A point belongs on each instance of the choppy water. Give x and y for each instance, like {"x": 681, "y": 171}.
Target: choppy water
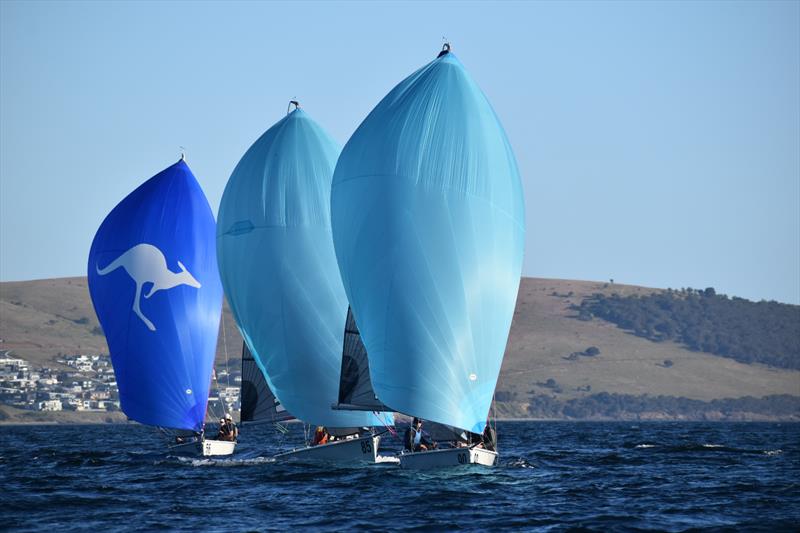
{"x": 553, "y": 475}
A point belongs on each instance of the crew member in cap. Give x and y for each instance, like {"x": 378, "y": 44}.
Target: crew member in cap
{"x": 227, "y": 429}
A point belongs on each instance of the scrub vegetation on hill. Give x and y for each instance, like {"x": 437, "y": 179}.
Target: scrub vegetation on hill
{"x": 626, "y": 406}
{"x": 748, "y": 332}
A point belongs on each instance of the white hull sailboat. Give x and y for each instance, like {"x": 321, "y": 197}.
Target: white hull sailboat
{"x": 155, "y": 287}
{"x": 428, "y": 225}
{"x": 354, "y": 450}
{"x": 279, "y": 271}
{"x": 217, "y": 447}
{"x": 206, "y": 448}
{"x": 448, "y": 457}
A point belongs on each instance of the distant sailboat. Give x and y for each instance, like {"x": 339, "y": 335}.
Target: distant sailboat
{"x": 279, "y": 271}
{"x": 154, "y": 285}
{"x": 428, "y": 225}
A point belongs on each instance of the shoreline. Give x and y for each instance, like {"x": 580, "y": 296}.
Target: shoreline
{"x": 761, "y": 420}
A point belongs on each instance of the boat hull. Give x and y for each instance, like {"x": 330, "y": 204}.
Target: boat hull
{"x": 447, "y": 458}
{"x": 217, "y": 447}
{"x": 205, "y": 448}
{"x": 360, "y": 450}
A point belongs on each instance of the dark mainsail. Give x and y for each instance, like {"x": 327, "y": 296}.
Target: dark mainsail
{"x": 443, "y": 432}
{"x": 355, "y": 387}
{"x": 258, "y": 402}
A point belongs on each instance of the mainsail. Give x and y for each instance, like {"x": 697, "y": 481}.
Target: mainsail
{"x": 279, "y": 269}
{"x": 355, "y": 386}
{"x": 258, "y": 402}
{"x": 428, "y": 224}
{"x": 156, "y": 290}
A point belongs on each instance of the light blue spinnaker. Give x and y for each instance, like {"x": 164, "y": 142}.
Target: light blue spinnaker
{"x": 428, "y": 224}
{"x": 155, "y": 287}
{"x": 279, "y": 269}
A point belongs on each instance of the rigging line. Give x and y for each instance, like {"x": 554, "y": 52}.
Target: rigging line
{"x": 389, "y": 428}
{"x": 381, "y": 433}
{"x": 164, "y": 432}
{"x": 209, "y": 405}
{"x": 494, "y": 418}
{"x": 227, "y": 364}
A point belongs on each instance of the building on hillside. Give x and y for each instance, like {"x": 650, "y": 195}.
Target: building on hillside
{"x": 50, "y": 405}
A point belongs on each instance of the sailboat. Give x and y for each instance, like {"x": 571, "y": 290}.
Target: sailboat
{"x": 279, "y": 272}
{"x": 155, "y": 287}
{"x": 356, "y": 394}
{"x": 428, "y": 225}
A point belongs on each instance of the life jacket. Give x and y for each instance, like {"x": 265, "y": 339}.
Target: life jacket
{"x": 320, "y": 437}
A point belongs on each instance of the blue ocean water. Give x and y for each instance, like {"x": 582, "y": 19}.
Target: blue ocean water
{"x": 552, "y": 476}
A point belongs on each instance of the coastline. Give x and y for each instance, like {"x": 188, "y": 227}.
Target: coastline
{"x": 105, "y": 420}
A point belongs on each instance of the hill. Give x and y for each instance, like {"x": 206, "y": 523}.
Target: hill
{"x": 42, "y": 319}
{"x": 556, "y": 365}
{"x": 547, "y": 360}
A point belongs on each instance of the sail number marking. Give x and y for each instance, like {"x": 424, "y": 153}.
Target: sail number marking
{"x": 366, "y": 446}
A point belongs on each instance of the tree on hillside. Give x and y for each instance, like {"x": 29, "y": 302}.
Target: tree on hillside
{"x": 749, "y": 332}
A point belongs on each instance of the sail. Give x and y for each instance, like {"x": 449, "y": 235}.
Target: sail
{"x": 355, "y": 386}
{"x": 258, "y": 402}
{"x": 279, "y": 269}
{"x": 428, "y": 224}
{"x": 443, "y": 433}
{"x": 155, "y": 287}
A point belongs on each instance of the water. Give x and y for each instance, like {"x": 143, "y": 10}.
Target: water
{"x": 553, "y": 475}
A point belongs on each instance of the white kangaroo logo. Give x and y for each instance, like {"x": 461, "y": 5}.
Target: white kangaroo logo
{"x": 146, "y": 263}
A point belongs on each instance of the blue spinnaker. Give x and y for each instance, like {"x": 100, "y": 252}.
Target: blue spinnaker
{"x": 156, "y": 290}
{"x": 279, "y": 269}
{"x": 428, "y": 223}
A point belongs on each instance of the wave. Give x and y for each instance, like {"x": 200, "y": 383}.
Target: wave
{"x": 208, "y": 461}
{"x": 518, "y": 462}
{"x": 702, "y": 447}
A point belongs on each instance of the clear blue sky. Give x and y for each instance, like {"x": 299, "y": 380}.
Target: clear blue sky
{"x": 659, "y": 143}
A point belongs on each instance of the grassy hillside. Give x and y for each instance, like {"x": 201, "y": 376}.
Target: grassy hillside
{"x": 546, "y": 332}
{"x": 40, "y": 319}
{"x": 547, "y": 358}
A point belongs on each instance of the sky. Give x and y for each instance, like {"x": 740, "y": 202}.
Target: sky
{"x": 658, "y": 143}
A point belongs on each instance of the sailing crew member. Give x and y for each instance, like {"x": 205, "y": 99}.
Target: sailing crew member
{"x": 321, "y": 436}
{"x": 232, "y": 429}
{"x": 222, "y": 433}
{"x": 415, "y": 439}
{"x": 227, "y": 429}
{"x": 489, "y": 437}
